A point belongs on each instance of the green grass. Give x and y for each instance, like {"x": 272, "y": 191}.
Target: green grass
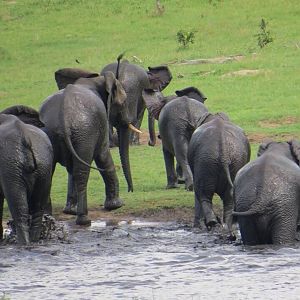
{"x": 41, "y": 36}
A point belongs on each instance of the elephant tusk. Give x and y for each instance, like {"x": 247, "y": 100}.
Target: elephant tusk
{"x": 134, "y": 128}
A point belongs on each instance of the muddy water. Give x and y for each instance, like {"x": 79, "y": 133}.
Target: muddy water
{"x": 148, "y": 261}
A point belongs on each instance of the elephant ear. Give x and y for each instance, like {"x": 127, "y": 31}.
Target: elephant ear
{"x": 159, "y": 77}
{"x": 66, "y": 76}
{"x": 114, "y": 88}
{"x": 193, "y": 93}
{"x": 154, "y": 102}
{"x": 26, "y": 114}
{"x": 295, "y": 150}
{"x": 264, "y": 146}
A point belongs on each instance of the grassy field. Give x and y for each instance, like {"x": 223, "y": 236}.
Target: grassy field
{"x": 41, "y": 36}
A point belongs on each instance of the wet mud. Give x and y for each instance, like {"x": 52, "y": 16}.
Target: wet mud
{"x": 147, "y": 260}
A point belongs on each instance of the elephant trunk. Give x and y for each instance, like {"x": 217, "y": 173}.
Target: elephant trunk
{"x": 123, "y": 136}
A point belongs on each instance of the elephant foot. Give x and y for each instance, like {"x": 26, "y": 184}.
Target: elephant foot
{"x": 151, "y": 143}
{"x": 83, "y": 220}
{"x": 113, "y": 204}
{"x": 35, "y": 234}
{"x": 189, "y": 187}
{"x": 172, "y": 186}
{"x": 70, "y": 210}
{"x": 211, "y": 223}
{"x": 199, "y": 223}
{"x": 181, "y": 180}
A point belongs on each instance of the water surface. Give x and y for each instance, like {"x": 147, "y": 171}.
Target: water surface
{"x": 145, "y": 260}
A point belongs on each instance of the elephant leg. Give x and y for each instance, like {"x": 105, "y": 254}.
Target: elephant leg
{"x": 37, "y": 203}
{"x": 105, "y": 162}
{"x": 209, "y": 215}
{"x": 284, "y": 229}
{"x": 113, "y": 141}
{"x": 227, "y": 209}
{"x": 170, "y": 170}
{"x": 134, "y": 136}
{"x": 18, "y": 206}
{"x": 71, "y": 204}
{"x": 181, "y": 149}
{"x": 249, "y": 234}
{"x": 199, "y": 218}
{"x": 80, "y": 176}
{"x": 179, "y": 173}
{"x": 1, "y": 216}
{"x": 151, "y": 127}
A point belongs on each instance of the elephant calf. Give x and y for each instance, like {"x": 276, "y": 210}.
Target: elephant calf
{"x": 178, "y": 116}
{"x": 267, "y": 194}
{"x": 26, "y": 158}
{"x": 217, "y": 150}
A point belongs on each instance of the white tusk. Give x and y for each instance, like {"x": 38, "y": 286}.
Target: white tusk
{"x": 134, "y": 128}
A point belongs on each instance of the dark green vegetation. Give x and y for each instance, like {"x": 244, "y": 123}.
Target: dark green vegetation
{"x": 259, "y": 89}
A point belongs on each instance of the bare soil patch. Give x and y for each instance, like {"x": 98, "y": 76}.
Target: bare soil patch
{"x": 258, "y": 138}
{"x": 214, "y": 60}
{"x": 244, "y": 72}
{"x": 274, "y": 124}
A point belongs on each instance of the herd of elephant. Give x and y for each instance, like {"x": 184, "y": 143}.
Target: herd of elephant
{"x": 76, "y": 126}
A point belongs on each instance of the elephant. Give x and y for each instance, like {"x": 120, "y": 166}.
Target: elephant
{"x": 26, "y": 160}
{"x": 134, "y": 80}
{"x": 267, "y": 194}
{"x": 178, "y": 116}
{"x": 217, "y": 150}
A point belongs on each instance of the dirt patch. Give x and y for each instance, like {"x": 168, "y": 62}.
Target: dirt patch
{"x": 214, "y": 60}
{"x": 258, "y": 138}
{"x": 277, "y": 123}
{"x": 166, "y": 214}
{"x": 144, "y": 137}
{"x": 244, "y": 72}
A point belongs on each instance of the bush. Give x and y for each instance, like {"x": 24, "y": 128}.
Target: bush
{"x": 185, "y": 38}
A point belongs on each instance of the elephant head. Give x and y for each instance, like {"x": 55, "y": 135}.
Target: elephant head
{"x": 290, "y": 149}
{"x": 155, "y": 101}
{"x": 207, "y": 117}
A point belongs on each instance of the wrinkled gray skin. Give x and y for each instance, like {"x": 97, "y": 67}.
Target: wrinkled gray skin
{"x": 135, "y": 79}
{"x": 267, "y": 194}
{"x": 178, "y": 117}
{"x": 26, "y": 158}
{"x": 217, "y": 150}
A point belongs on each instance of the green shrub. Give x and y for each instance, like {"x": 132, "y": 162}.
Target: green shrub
{"x": 264, "y": 36}
{"x": 185, "y": 38}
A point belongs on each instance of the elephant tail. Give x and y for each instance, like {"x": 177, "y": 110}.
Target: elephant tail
{"x": 30, "y": 159}
{"x": 229, "y": 180}
{"x": 66, "y": 130}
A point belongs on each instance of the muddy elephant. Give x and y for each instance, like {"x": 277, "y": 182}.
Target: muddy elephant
{"x": 134, "y": 80}
{"x": 76, "y": 121}
{"x": 178, "y": 116}
{"x": 267, "y": 194}
{"x": 26, "y": 159}
{"x": 217, "y": 150}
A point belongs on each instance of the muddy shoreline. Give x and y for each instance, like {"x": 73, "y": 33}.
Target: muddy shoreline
{"x": 178, "y": 215}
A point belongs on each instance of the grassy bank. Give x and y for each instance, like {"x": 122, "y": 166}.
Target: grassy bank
{"x": 259, "y": 89}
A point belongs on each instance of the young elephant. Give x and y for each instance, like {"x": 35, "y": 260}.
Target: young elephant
{"x": 178, "y": 116}
{"x": 267, "y": 194}
{"x": 217, "y": 150}
{"x": 26, "y": 159}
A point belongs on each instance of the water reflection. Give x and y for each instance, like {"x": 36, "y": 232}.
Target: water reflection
{"x": 145, "y": 260}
